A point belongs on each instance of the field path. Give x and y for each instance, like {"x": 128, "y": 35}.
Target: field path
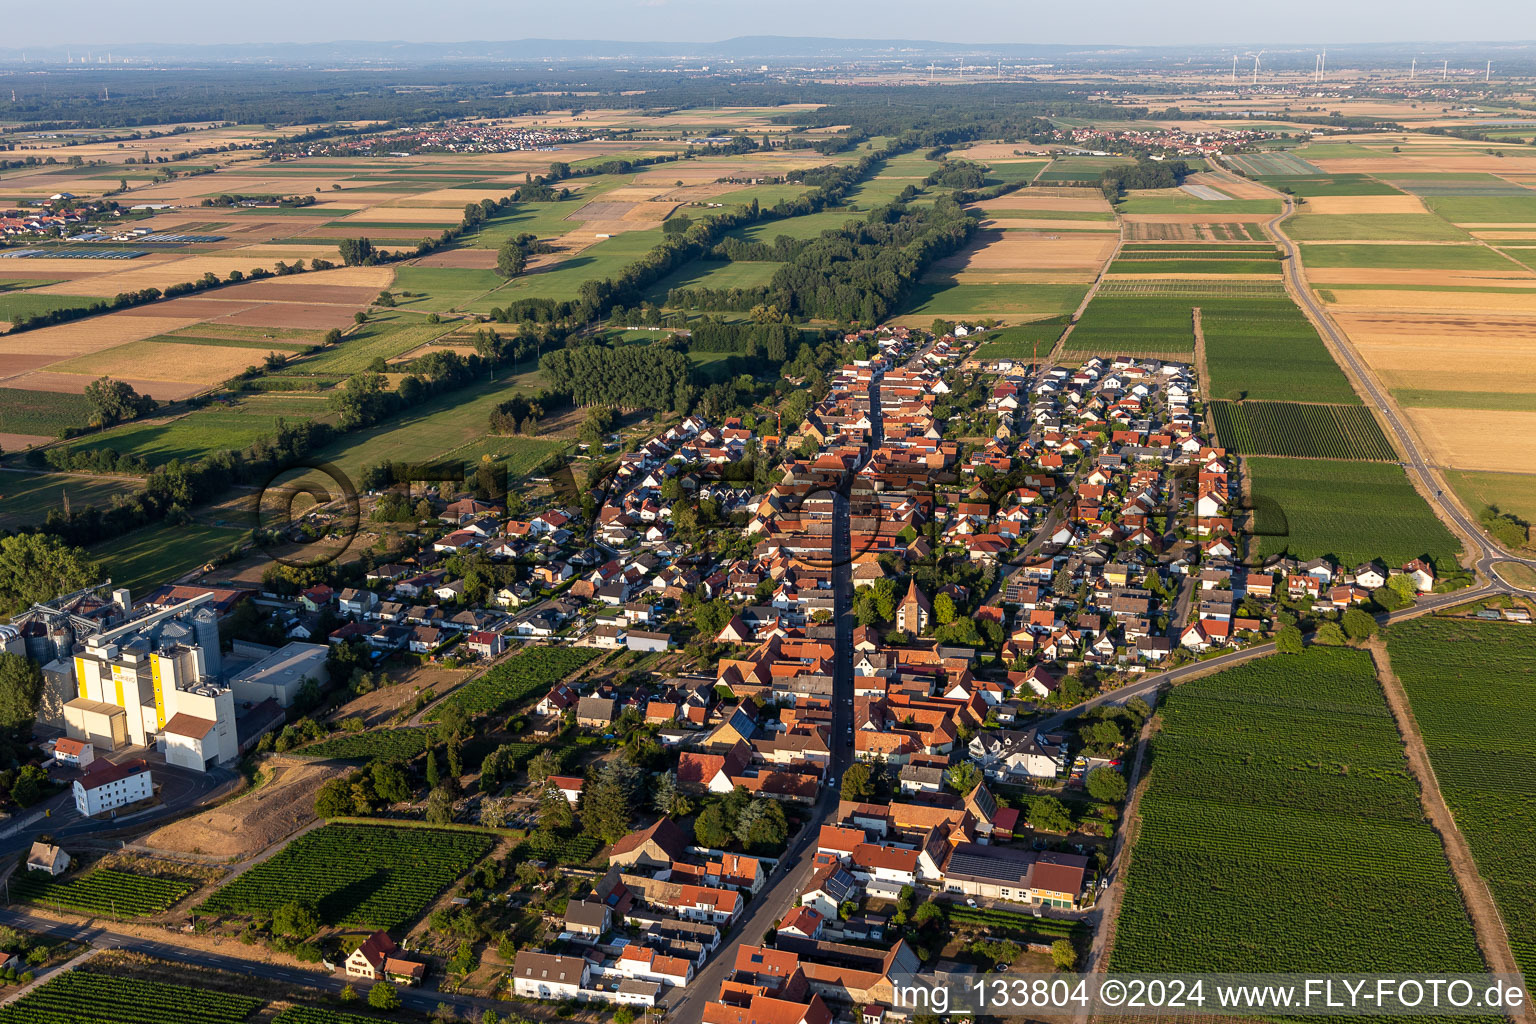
{"x": 1204, "y": 374}
{"x": 1486, "y": 923}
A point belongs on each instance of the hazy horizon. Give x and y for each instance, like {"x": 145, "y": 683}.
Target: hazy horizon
{"x": 1116, "y": 24}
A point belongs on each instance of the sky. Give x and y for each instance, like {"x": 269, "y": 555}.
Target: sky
{"x": 1128, "y": 22}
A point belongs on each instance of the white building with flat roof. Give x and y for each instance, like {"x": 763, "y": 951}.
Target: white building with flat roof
{"x": 281, "y": 674}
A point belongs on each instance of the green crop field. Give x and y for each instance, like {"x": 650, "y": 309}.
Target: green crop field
{"x": 25, "y": 498}
{"x": 1512, "y": 209}
{"x": 766, "y": 196}
{"x": 102, "y": 891}
{"x": 320, "y": 1015}
{"x": 1267, "y": 349}
{"x": 1371, "y": 227}
{"x": 263, "y": 347}
{"x": 1012, "y": 213}
{"x": 1353, "y": 511}
{"x": 83, "y": 996}
{"x": 1472, "y": 687}
{"x": 1079, "y": 168}
{"x": 1281, "y": 831}
{"x": 41, "y": 413}
{"x": 527, "y": 674}
{"x": 1134, "y": 323}
{"x": 374, "y": 876}
{"x": 442, "y": 424}
{"x": 389, "y": 744}
{"x": 1514, "y": 493}
{"x": 1272, "y": 163}
{"x": 1012, "y": 170}
{"x": 808, "y": 225}
{"x": 440, "y": 289}
{"x": 153, "y": 555}
{"x": 1022, "y": 341}
{"x": 1216, "y": 210}
{"x": 1406, "y": 257}
{"x": 217, "y": 427}
{"x": 1504, "y": 401}
{"x": 714, "y": 274}
{"x": 946, "y": 299}
{"x": 1301, "y": 430}
{"x": 14, "y": 305}
{"x": 1331, "y": 185}
{"x": 1144, "y": 265}
{"x": 384, "y": 336}
{"x": 605, "y": 259}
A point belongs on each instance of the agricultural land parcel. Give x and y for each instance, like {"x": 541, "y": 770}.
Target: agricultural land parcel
{"x": 1281, "y": 831}
{"x": 1472, "y": 687}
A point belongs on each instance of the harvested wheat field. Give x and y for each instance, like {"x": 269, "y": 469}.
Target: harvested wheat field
{"x": 187, "y": 306}
{"x": 314, "y": 317}
{"x": 1365, "y": 204}
{"x": 251, "y": 823}
{"x": 163, "y": 361}
{"x": 84, "y": 337}
{"x": 408, "y": 215}
{"x": 1237, "y": 189}
{"x": 1478, "y": 439}
{"x": 1511, "y": 301}
{"x": 1451, "y": 353}
{"x": 75, "y": 384}
{"x": 993, "y": 151}
{"x": 1514, "y": 277}
{"x": 1019, "y": 250}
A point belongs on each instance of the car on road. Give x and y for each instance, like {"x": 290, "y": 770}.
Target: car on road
{"x": 970, "y": 901}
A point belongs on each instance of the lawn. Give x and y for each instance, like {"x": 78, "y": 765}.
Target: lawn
{"x": 153, "y": 555}
{"x": 26, "y": 498}
{"x": 1371, "y": 227}
{"x": 1406, "y": 257}
{"x": 1281, "y": 832}
{"x": 1352, "y": 511}
{"x": 44, "y": 413}
{"x": 1472, "y": 686}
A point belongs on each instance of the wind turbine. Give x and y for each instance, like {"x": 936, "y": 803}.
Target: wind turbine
{"x": 1255, "y": 57}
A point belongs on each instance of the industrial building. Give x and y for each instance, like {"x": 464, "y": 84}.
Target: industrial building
{"x": 118, "y": 679}
{"x": 280, "y": 675}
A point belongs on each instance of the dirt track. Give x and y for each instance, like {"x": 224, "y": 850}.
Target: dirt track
{"x": 1486, "y": 923}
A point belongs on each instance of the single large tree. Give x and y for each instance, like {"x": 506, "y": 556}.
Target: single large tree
{"x": 21, "y": 688}
{"x": 114, "y": 401}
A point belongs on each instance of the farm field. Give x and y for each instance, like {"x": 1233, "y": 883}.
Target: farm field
{"x": 438, "y": 427}
{"x": 606, "y": 258}
{"x": 389, "y": 744}
{"x": 1369, "y": 227}
{"x": 374, "y": 876}
{"x": 41, "y": 413}
{"x": 1281, "y": 831}
{"x": 26, "y": 497}
{"x": 808, "y": 225}
{"x": 1352, "y": 511}
{"x": 1310, "y": 186}
{"x": 530, "y": 671}
{"x": 714, "y": 274}
{"x": 83, "y": 996}
{"x": 384, "y": 336}
{"x": 1018, "y": 301}
{"x": 1169, "y": 203}
{"x": 102, "y": 891}
{"x": 1472, "y": 688}
{"x": 1023, "y": 341}
{"x": 1512, "y": 401}
{"x": 217, "y": 427}
{"x": 1508, "y": 492}
{"x": 1300, "y": 430}
{"x": 153, "y": 555}
{"x": 1407, "y": 257}
{"x": 1268, "y": 349}
{"x": 1505, "y": 209}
